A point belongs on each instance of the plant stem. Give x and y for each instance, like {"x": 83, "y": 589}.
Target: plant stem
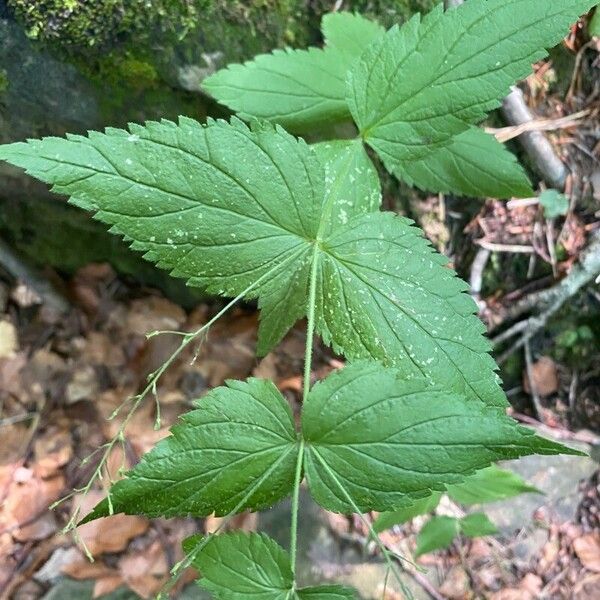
{"x": 310, "y": 333}
{"x": 310, "y": 329}
{"x": 295, "y": 502}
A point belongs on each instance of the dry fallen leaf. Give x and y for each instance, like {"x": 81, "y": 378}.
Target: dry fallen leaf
{"x": 587, "y": 548}
{"x": 145, "y": 572}
{"x": 544, "y": 376}
{"x": 9, "y": 344}
{"x": 110, "y": 534}
{"x": 154, "y": 313}
{"x": 29, "y": 497}
{"x": 511, "y": 594}
{"x": 107, "y": 585}
{"x": 588, "y": 588}
{"x": 52, "y": 451}
{"x": 40, "y": 529}
{"x": 456, "y": 586}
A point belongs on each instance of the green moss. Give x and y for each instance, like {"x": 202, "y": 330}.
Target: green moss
{"x": 3, "y": 81}
{"x": 81, "y": 25}
{"x": 85, "y": 24}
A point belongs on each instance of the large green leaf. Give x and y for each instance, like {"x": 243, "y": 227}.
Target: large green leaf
{"x": 375, "y": 441}
{"x": 486, "y": 485}
{"x": 421, "y": 84}
{"x": 384, "y": 293}
{"x": 298, "y": 89}
{"x": 237, "y": 450}
{"x": 472, "y": 164}
{"x": 238, "y": 566}
{"x": 489, "y": 485}
{"x": 221, "y": 205}
{"x": 327, "y": 592}
{"x": 352, "y": 185}
{"x": 477, "y": 525}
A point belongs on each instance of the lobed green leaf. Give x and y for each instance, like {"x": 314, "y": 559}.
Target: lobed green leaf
{"x": 422, "y": 506}
{"x": 295, "y": 88}
{"x": 352, "y": 185}
{"x": 385, "y": 294}
{"x": 349, "y": 33}
{"x": 489, "y": 485}
{"x": 242, "y": 211}
{"x": 472, "y": 164}
{"x": 375, "y": 441}
{"x": 421, "y": 84}
{"x": 299, "y": 89}
{"x": 439, "y": 532}
{"x": 238, "y": 566}
{"x": 224, "y": 206}
{"x": 477, "y": 525}
{"x": 236, "y": 451}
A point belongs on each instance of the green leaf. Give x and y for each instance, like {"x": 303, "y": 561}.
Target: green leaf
{"x": 420, "y": 85}
{"x": 238, "y": 566}
{"x": 221, "y": 205}
{"x": 477, "y": 525}
{"x": 352, "y": 185}
{"x": 349, "y": 33}
{"x": 375, "y": 441}
{"x": 489, "y": 485}
{"x": 422, "y": 506}
{"x": 327, "y": 592}
{"x": 295, "y": 88}
{"x": 385, "y": 294}
{"x": 298, "y": 89}
{"x": 554, "y": 203}
{"x": 437, "y": 533}
{"x": 472, "y": 164}
{"x": 237, "y": 450}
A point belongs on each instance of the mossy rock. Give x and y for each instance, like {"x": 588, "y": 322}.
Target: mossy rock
{"x": 49, "y": 232}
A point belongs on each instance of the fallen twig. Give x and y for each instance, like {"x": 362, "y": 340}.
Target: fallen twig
{"x": 549, "y": 301}
{"x": 504, "y": 134}
{"x": 537, "y": 146}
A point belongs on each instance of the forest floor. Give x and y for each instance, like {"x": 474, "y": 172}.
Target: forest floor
{"x": 64, "y": 375}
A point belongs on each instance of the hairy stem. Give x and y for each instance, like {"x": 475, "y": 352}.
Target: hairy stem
{"x": 310, "y": 329}
{"x": 295, "y": 501}
{"x": 310, "y": 333}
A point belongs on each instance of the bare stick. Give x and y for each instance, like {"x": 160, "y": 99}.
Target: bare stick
{"x": 535, "y": 143}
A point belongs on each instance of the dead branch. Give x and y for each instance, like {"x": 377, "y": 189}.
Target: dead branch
{"x": 535, "y": 143}
{"x": 549, "y": 302}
